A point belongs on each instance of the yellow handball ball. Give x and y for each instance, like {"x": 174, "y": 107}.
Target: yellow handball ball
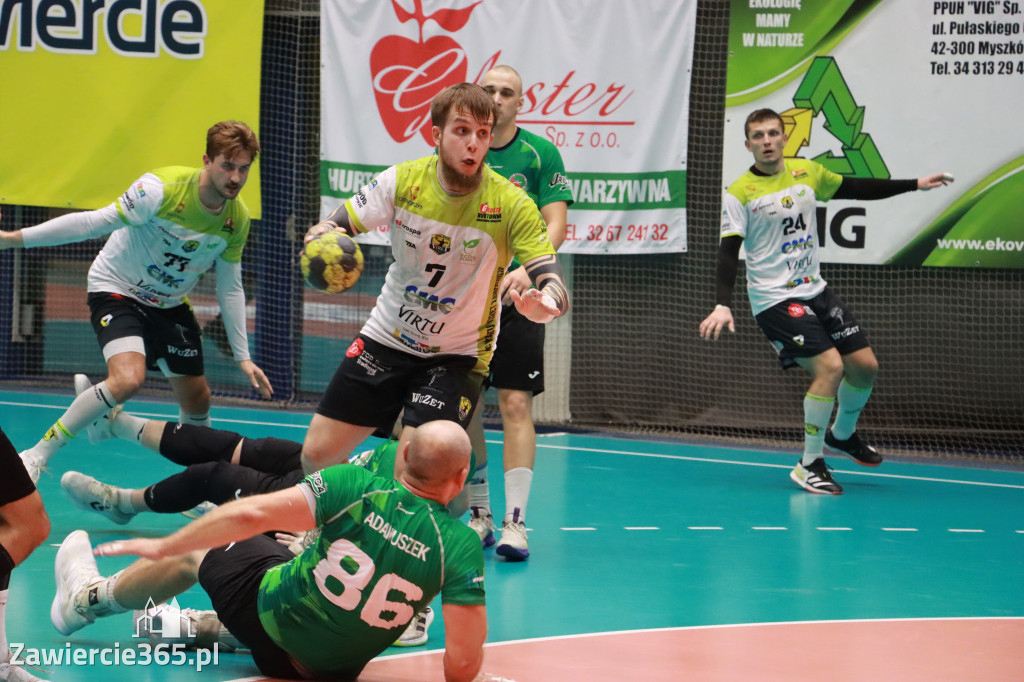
{"x": 332, "y": 262}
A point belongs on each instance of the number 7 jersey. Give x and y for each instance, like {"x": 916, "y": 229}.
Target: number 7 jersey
{"x": 775, "y": 216}
{"x": 451, "y": 253}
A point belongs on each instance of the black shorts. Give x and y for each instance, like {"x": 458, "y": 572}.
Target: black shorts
{"x": 231, "y": 575}
{"x": 374, "y": 383}
{"x": 800, "y": 328}
{"x": 518, "y": 361}
{"x": 271, "y": 455}
{"x": 17, "y": 484}
{"x": 169, "y": 334}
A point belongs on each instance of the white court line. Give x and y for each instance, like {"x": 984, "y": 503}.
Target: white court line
{"x": 833, "y": 528}
{"x": 712, "y": 460}
{"x": 709, "y": 460}
{"x": 699, "y": 627}
{"x": 657, "y": 528}
{"x": 581, "y": 528}
{"x": 965, "y": 530}
{"x": 901, "y": 530}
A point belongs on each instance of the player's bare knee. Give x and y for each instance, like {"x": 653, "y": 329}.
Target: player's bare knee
{"x": 516, "y": 407}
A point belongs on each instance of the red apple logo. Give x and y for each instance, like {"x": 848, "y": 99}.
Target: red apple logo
{"x": 407, "y": 74}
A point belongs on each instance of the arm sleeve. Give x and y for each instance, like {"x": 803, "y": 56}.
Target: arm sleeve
{"x": 231, "y": 297}
{"x": 873, "y": 188}
{"x": 725, "y": 268}
{"x": 73, "y": 227}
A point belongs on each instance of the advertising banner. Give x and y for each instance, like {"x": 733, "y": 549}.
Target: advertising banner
{"x": 97, "y": 92}
{"x": 608, "y": 83}
{"x": 898, "y": 89}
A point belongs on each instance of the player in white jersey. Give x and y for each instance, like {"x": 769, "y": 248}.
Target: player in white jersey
{"x": 771, "y": 210}
{"x": 166, "y": 230}
{"x": 455, "y": 226}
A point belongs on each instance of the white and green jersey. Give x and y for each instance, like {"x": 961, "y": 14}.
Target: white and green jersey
{"x": 441, "y": 293}
{"x": 382, "y": 556}
{"x": 775, "y": 216}
{"x": 169, "y": 239}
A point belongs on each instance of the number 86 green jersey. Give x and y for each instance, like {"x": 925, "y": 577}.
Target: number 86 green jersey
{"x": 383, "y": 554}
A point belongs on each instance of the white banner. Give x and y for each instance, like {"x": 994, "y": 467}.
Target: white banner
{"x": 901, "y": 89}
{"x": 607, "y": 82}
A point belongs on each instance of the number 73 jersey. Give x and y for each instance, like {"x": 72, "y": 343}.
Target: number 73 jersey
{"x": 451, "y": 253}
{"x": 775, "y": 216}
{"x": 383, "y": 554}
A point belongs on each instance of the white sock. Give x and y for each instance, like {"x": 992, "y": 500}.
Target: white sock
{"x": 479, "y": 492}
{"x": 86, "y": 408}
{"x": 517, "y": 493}
{"x": 128, "y": 427}
{"x": 124, "y": 501}
{"x": 194, "y": 419}
{"x": 100, "y": 597}
{"x": 851, "y": 401}
{"x": 817, "y": 412}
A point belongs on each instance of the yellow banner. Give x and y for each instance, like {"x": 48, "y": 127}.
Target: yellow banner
{"x": 97, "y": 93}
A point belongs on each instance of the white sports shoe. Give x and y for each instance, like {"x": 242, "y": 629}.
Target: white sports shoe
{"x": 85, "y": 492}
{"x": 194, "y": 628}
{"x": 483, "y": 524}
{"x": 416, "y": 633}
{"x": 512, "y": 545}
{"x": 16, "y": 673}
{"x": 99, "y": 430}
{"x": 33, "y": 463}
{"x": 76, "y": 572}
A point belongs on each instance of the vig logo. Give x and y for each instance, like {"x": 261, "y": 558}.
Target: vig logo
{"x": 824, "y": 90}
{"x": 407, "y": 74}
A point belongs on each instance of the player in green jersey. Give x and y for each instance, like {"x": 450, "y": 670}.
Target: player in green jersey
{"x": 165, "y": 231}
{"x": 533, "y": 164}
{"x": 386, "y": 548}
{"x": 771, "y": 211}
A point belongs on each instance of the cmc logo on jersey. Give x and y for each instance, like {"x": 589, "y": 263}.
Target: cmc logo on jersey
{"x": 176, "y": 28}
{"x": 429, "y": 301}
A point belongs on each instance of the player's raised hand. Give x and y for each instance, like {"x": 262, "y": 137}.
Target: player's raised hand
{"x": 535, "y": 305}
{"x": 719, "y": 319}
{"x": 258, "y": 379}
{"x": 934, "y": 180}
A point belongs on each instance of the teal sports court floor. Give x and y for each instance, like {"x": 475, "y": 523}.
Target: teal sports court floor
{"x": 651, "y": 560}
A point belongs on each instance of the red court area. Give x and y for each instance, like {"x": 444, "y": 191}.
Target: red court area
{"x": 982, "y": 649}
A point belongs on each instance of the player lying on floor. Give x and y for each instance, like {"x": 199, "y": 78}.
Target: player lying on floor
{"x": 309, "y": 616}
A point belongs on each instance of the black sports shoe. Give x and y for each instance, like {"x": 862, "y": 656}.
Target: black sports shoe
{"x": 816, "y": 478}
{"x": 854, "y": 448}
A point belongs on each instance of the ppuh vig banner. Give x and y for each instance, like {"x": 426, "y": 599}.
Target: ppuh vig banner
{"x": 608, "y": 83}
{"x": 97, "y": 92}
{"x": 901, "y": 89}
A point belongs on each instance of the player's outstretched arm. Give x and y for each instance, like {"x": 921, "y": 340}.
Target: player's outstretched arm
{"x": 934, "y": 180}
{"x": 465, "y": 629}
{"x": 231, "y": 522}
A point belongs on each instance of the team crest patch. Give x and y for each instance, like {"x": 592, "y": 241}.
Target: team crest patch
{"x": 787, "y": 202}
{"x": 440, "y": 244}
{"x": 190, "y": 246}
{"x": 519, "y": 180}
{"x": 465, "y": 405}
